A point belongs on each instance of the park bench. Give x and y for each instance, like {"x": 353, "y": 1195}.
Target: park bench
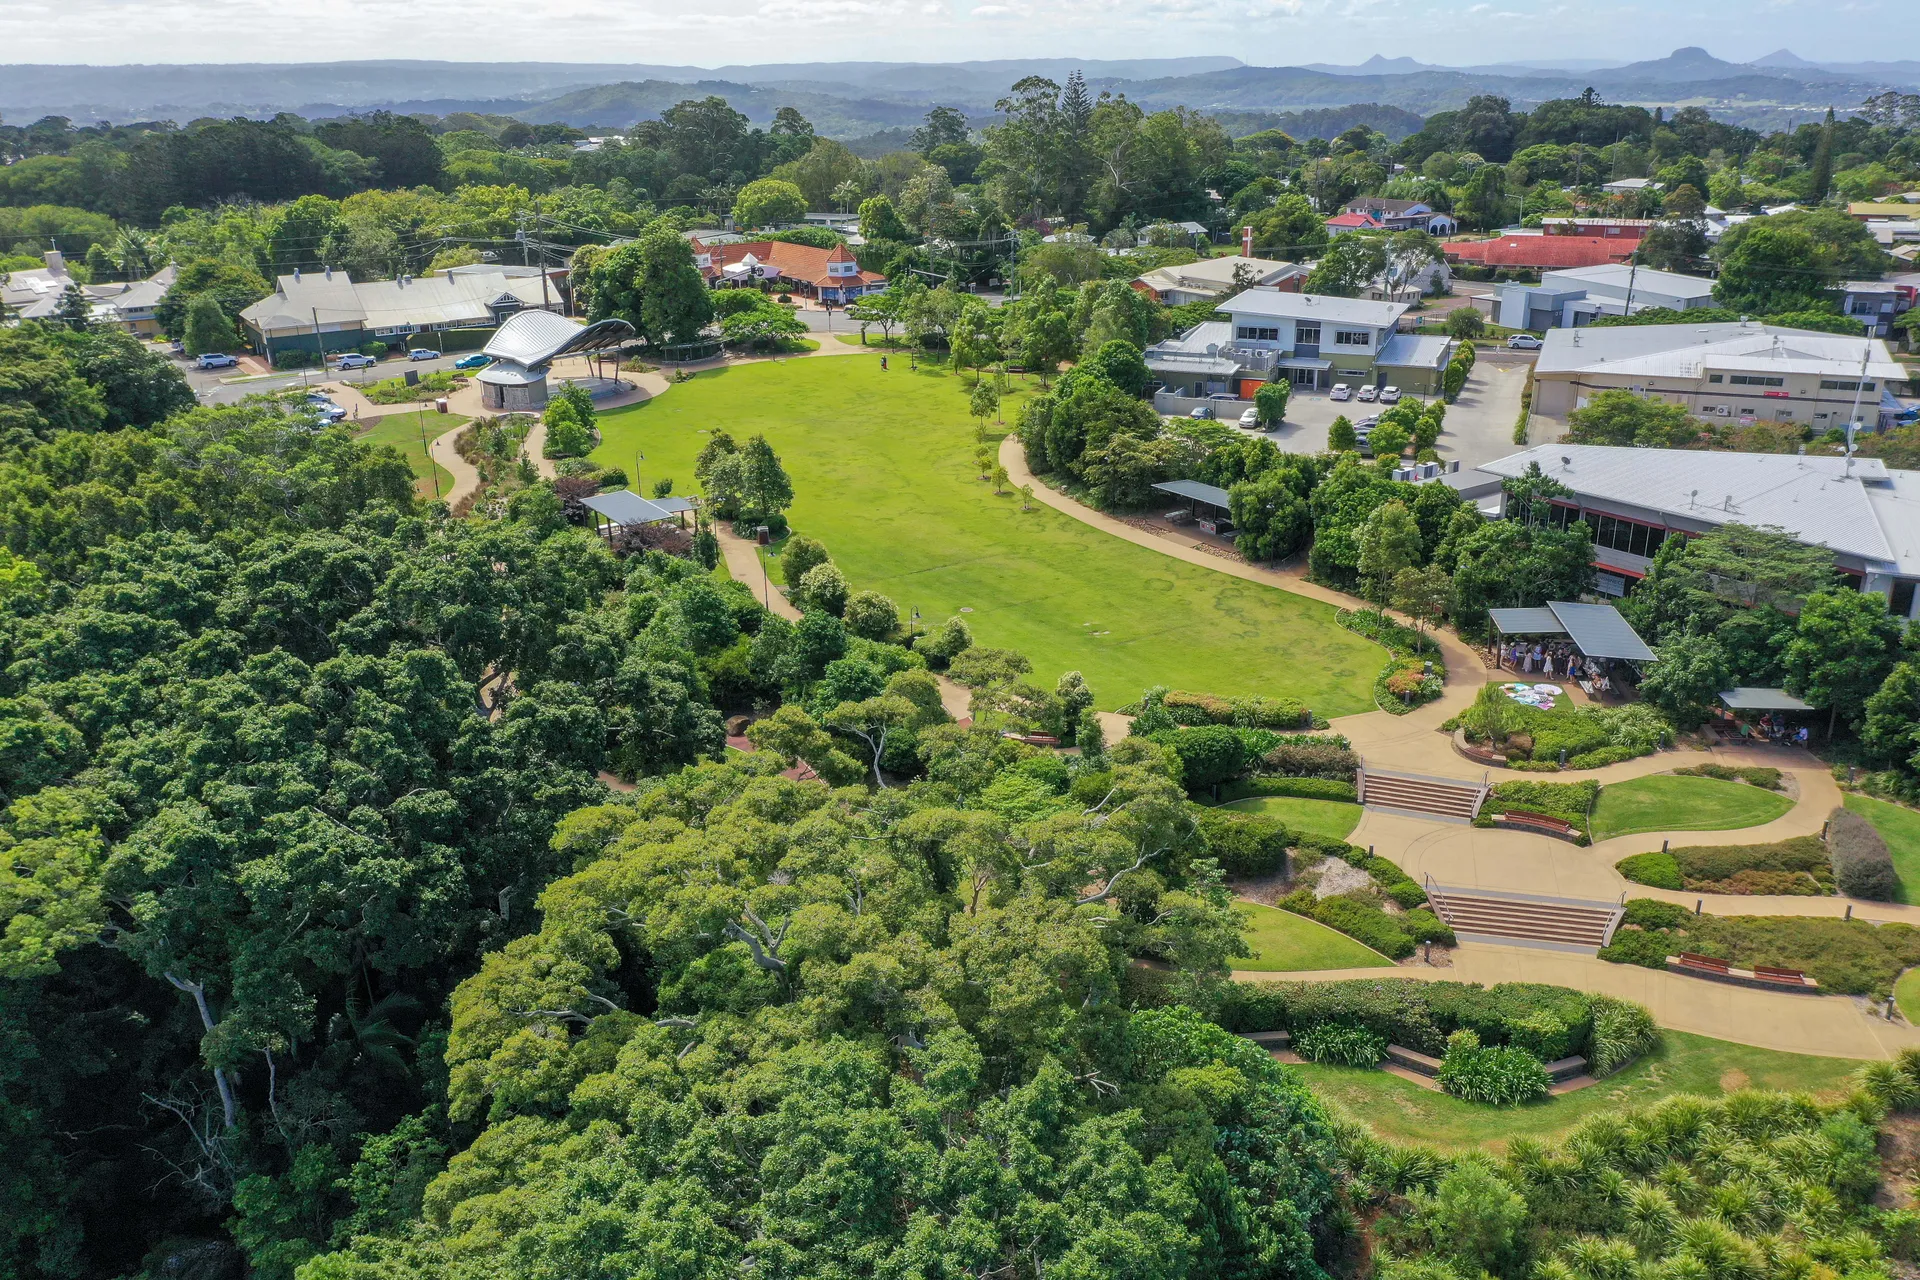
{"x": 1693, "y": 960}
{"x": 1761, "y": 975}
{"x": 1785, "y": 977}
{"x": 1539, "y": 821}
{"x": 1033, "y": 739}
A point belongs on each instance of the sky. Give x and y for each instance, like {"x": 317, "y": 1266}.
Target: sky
{"x": 718, "y": 32}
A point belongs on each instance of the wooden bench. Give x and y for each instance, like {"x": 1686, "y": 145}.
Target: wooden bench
{"x": 1033, "y": 739}
{"x": 1693, "y": 960}
{"x": 1787, "y": 977}
{"x": 1766, "y": 976}
{"x": 1540, "y": 821}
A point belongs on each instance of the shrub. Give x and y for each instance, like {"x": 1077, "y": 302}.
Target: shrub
{"x": 1732, "y": 868}
{"x": 1550, "y": 1022}
{"x": 1862, "y": 866}
{"x": 800, "y": 554}
{"x": 1659, "y": 870}
{"x": 1423, "y": 925}
{"x": 1311, "y": 760}
{"x": 1499, "y": 1076}
{"x": 1622, "y": 1031}
{"x": 1257, "y": 712}
{"x": 944, "y": 643}
{"x": 1302, "y": 788}
{"x": 295, "y": 359}
{"x": 871, "y": 615}
{"x": 1416, "y": 1014}
{"x": 824, "y": 589}
{"x": 1569, "y": 801}
{"x": 1647, "y": 948}
{"x": 1364, "y": 923}
{"x": 1851, "y": 957}
{"x": 1342, "y": 1046}
{"x": 1753, "y": 775}
{"x": 1246, "y": 845}
{"x": 1209, "y": 754}
{"x": 1604, "y": 756}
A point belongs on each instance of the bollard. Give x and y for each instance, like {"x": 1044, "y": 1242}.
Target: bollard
{"x": 1849, "y": 911}
{"x": 1369, "y": 851}
{"x": 1663, "y": 846}
{"x": 1698, "y": 905}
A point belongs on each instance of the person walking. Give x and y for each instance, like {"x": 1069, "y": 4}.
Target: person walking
{"x": 1547, "y": 668}
{"x": 883, "y": 364}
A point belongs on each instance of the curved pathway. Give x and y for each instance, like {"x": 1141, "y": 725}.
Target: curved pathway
{"x": 466, "y": 479}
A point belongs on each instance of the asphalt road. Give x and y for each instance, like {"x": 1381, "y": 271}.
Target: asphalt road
{"x": 222, "y": 386}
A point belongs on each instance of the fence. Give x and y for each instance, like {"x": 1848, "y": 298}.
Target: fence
{"x": 1170, "y": 405}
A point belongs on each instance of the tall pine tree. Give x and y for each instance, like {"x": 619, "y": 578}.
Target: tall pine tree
{"x": 1822, "y": 178}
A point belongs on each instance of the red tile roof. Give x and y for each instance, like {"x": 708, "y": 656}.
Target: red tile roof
{"x": 1545, "y": 252}
{"x": 800, "y": 262}
{"x": 1354, "y": 220}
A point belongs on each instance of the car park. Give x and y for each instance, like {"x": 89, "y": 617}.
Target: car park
{"x": 474, "y": 361}
{"x": 1250, "y": 418}
{"x": 1389, "y": 395}
{"x": 1367, "y": 395}
{"x": 1367, "y": 423}
{"x": 1524, "y": 342}
{"x": 423, "y": 353}
{"x": 354, "y": 360}
{"x": 1341, "y": 391}
{"x": 216, "y": 360}
{"x": 1201, "y": 411}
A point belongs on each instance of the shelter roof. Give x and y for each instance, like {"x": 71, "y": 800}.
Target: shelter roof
{"x": 624, "y": 507}
{"x": 1746, "y": 698}
{"x": 1212, "y": 495}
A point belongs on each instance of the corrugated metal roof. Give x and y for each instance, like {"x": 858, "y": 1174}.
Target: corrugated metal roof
{"x": 1684, "y": 350}
{"x": 624, "y": 506}
{"x": 1197, "y": 492}
{"x": 1314, "y": 306}
{"x": 1526, "y": 622}
{"x": 1813, "y": 498}
{"x": 1599, "y": 631}
{"x": 533, "y": 338}
{"x": 1415, "y": 351}
{"x": 1747, "y": 698}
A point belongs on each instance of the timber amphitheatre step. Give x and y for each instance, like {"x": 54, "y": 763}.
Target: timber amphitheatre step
{"x": 1451, "y": 798}
{"x": 1489, "y": 915}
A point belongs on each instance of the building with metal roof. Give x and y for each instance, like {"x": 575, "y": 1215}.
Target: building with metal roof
{"x": 1211, "y": 277}
{"x": 1310, "y": 339}
{"x": 328, "y": 310}
{"x": 1866, "y": 513}
{"x": 1596, "y": 630}
{"x": 525, "y": 347}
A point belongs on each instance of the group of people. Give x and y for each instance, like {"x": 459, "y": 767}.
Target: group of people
{"x": 1775, "y": 729}
{"x": 1556, "y": 658}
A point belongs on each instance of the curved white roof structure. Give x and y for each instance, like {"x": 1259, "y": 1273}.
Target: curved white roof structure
{"x": 531, "y": 339}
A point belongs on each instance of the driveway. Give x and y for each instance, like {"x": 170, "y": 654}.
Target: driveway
{"x": 1479, "y": 426}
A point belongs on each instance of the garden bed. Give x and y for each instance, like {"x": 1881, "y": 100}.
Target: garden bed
{"x": 1800, "y": 866}
{"x": 1417, "y": 671}
{"x": 396, "y": 390}
{"x": 1852, "y": 957}
{"x": 1568, "y": 801}
{"x": 1502, "y": 730}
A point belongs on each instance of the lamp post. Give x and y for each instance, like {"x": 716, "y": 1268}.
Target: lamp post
{"x": 638, "y": 458}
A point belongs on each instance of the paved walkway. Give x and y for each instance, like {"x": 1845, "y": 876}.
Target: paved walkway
{"x": 466, "y": 479}
{"x": 1823, "y": 1026}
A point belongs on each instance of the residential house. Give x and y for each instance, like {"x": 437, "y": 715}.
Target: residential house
{"x": 1629, "y": 186}
{"x": 35, "y": 294}
{"x": 1196, "y": 233}
{"x": 1581, "y": 294}
{"x": 1600, "y": 228}
{"x": 831, "y": 275}
{"x": 1866, "y": 513}
{"x": 327, "y": 310}
{"x": 1736, "y": 370}
{"x": 1211, "y": 277}
{"x": 132, "y": 306}
{"x": 1378, "y": 214}
{"x": 1869, "y": 210}
{"x": 1877, "y": 303}
{"x": 1539, "y": 253}
{"x": 1310, "y": 339}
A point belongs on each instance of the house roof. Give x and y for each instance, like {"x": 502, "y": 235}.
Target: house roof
{"x": 1545, "y": 252}
{"x": 1314, "y": 306}
{"x": 1212, "y": 275}
{"x": 1816, "y": 499}
{"x": 1356, "y": 220}
{"x": 1688, "y": 350}
{"x": 333, "y": 298}
{"x": 1416, "y": 351}
{"x": 1880, "y": 209}
{"x": 1576, "y": 220}
{"x": 1620, "y": 275}
{"x": 800, "y": 262}
{"x": 1392, "y": 208}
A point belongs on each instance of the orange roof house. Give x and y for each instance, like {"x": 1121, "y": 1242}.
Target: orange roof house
{"x": 832, "y": 275}
{"x": 1543, "y": 253}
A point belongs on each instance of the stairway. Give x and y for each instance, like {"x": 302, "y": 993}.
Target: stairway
{"x": 1487, "y": 915}
{"x": 1417, "y": 793}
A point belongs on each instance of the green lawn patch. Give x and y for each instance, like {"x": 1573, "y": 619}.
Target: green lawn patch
{"x": 1906, "y": 994}
{"x": 882, "y": 464}
{"x": 1329, "y": 819}
{"x": 405, "y": 432}
{"x": 1402, "y": 1111}
{"x": 1900, "y": 828}
{"x": 1667, "y": 803}
{"x": 1283, "y": 942}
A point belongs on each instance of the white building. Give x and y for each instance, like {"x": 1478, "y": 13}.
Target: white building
{"x": 1211, "y": 277}
{"x": 1865, "y": 512}
{"x": 316, "y": 310}
{"x": 1312, "y": 339}
{"x": 1739, "y": 370}
{"x": 1578, "y": 295}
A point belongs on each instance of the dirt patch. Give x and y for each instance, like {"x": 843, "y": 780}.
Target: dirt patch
{"x": 1265, "y": 890}
{"x": 1899, "y": 1162}
{"x": 1733, "y": 1080}
{"x": 1337, "y": 877}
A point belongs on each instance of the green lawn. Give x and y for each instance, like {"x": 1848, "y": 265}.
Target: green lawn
{"x": 1662, "y": 802}
{"x": 1900, "y": 828}
{"x": 1906, "y": 994}
{"x": 404, "y": 432}
{"x": 882, "y": 465}
{"x": 1402, "y": 1111}
{"x": 1284, "y": 942}
{"x": 1332, "y": 819}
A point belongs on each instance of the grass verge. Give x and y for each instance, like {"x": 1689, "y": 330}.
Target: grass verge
{"x": 1283, "y": 942}
{"x": 1402, "y": 1111}
{"x": 1666, "y": 803}
{"x": 1330, "y": 819}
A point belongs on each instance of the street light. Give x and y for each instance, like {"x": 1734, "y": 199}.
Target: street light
{"x": 638, "y": 458}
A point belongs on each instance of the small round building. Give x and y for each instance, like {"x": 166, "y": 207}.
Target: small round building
{"x": 524, "y": 349}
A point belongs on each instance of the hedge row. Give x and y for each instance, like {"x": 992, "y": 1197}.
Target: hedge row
{"x": 1546, "y": 1021}
{"x": 1303, "y": 788}
{"x": 1256, "y": 712}
{"x": 1796, "y": 866}
{"x": 1248, "y": 845}
{"x": 1568, "y": 801}
{"x": 1755, "y": 775}
{"x": 1862, "y": 865}
{"x": 1311, "y": 760}
{"x": 1392, "y": 936}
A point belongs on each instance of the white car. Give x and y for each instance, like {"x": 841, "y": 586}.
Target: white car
{"x": 1524, "y": 342}
{"x": 1367, "y": 395}
{"x": 1389, "y": 395}
{"x": 423, "y": 353}
{"x": 1250, "y": 418}
{"x": 1341, "y": 391}
{"x": 354, "y": 360}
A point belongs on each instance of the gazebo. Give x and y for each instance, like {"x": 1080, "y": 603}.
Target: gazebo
{"x": 614, "y": 513}
{"x": 1596, "y": 631}
{"x": 524, "y": 349}
{"x": 1216, "y": 518}
{"x": 1752, "y": 711}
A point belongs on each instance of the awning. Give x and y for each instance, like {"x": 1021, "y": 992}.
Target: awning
{"x": 626, "y": 507}
{"x": 1752, "y": 699}
{"x": 1193, "y": 490}
{"x": 1599, "y": 631}
{"x": 1526, "y": 622}
{"x": 1303, "y": 362}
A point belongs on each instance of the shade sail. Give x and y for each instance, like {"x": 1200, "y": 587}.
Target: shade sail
{"x": 627, "y": 507}
{"x": 1599, "y": 631}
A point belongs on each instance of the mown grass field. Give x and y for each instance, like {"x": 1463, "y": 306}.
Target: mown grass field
{"x": 404, "y": 432}
{"x": 1333, "y": 819}
{"x": 1663, "y": 802}
{"x": 883, "y": 471}
{"x": 1900, "y": 828}
{"x": 1404, "y": 1112}
{"x": 1284, "y": 942}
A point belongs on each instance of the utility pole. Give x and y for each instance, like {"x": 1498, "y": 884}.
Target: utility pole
{"x": 433, "y": 468}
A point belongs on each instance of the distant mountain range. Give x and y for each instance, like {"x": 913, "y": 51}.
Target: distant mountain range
{"x": 856, "y": 99}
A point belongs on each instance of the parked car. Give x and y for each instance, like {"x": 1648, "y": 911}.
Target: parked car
{"x": 327, "y": 409}
{"x": 1201, "y": 411}
{"x": 1367, "y": 423}
{"x": 1222, "y": 397}
{"x": 1389, "y": 395}
{"x": 354, "y": 360}
{"x": 1341, "y": 391}
{"x": 1367, "y": 395}
{"x": 213, "y": 360}
{"x": 474, "y": 361}
{"x": 423, "y": 353}
{"x": 1524, "y": 342}
{"x": 178, "y": 348}
{"x": 1250, "y": 417}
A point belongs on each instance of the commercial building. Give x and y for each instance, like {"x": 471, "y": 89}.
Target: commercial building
{"x": 327, "y": 310}
{"x": 1737, "y": 370}
{"x": 1581, "y": 294}
{"x": 1312, "y": 340}
{"x": 831, "y": 275}
{"x": 1866, "y": 513}
{"x": 1211, "y": 277}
